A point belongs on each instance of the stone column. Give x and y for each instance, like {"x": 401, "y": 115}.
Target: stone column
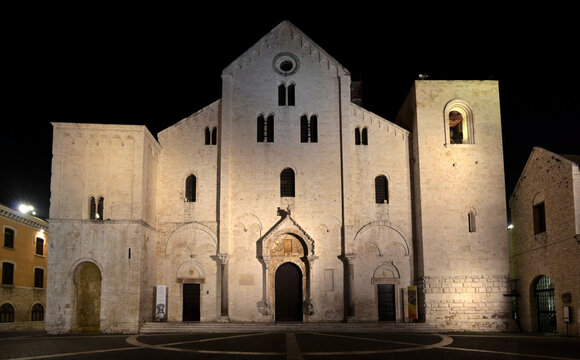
{"x": 309, "y": 304}
{"x": 224, "y": 315}
{"x": 350, "y": 314}
{"x": 264, "y": 306}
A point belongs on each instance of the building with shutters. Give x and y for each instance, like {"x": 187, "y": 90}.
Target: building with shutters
{"x": 285, "y": 201}
{"x": 23, "y": 257}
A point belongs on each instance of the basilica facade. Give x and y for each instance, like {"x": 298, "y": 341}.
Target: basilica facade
{"x": 285, "y": 201}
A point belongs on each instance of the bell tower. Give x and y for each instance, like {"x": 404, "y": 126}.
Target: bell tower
{"x": 459, "y": 212}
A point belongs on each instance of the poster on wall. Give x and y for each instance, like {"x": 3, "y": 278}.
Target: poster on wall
{"x": 161, "y": 303}
{"x": 412, "y": 302}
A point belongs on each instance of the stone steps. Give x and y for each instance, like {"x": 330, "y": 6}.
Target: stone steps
{"x": 208, "y": 327}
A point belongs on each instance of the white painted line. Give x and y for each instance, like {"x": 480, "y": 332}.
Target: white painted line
{"x": 292, "y": 349}
{"x": 518, "y": 355}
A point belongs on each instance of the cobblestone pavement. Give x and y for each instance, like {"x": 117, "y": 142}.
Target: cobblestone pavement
{"x": 288, "y": 345}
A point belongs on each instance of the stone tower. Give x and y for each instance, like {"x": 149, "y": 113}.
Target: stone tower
{"x": 460, "y": 227}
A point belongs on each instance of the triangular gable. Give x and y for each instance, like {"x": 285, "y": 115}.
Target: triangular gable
{"x": 531, "y": 158}
{"x": 293, "y": 35}
{"x": 286, "y": 225}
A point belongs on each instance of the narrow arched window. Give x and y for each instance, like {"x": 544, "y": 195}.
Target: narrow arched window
{"x": 214, "y": 136}
{"x": 281, "y": 95}
{"x": 287, "y": 183}
{"x": 357, "y": 136}
{"x": 365, "y": 136}
{"x": 92, "y": 208}
{"x": 37, "y": 313}
{"x": 100, "y": 207}
{"x": 304, "y": 128}
{"x": 207, "y": 135}
{"x": 270, "y": 129}
{"x": 190, "y": 188}
{"x": 459, "y": 122}
{"x": 313, "y": 128}
{"x": 291, "y": 94}
{"x": 261, "y": 128}
{"x": 6, "y": 313}
{"x": 381, "y": 190}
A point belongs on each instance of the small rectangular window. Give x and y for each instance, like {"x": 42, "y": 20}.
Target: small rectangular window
{"x": 38, "y": 278}
{"x": 7, "y": 273}
{"x": 539, "y": 218}
{"x": 9, "y": 238}
{"x": 471, "y": 221}
{"x": 39, "y": 246}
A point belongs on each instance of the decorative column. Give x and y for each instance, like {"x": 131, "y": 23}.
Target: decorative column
{"x": 264, "y": 305}
{"x": 224, "y": 315}
{"x": 350, "y": 314}
{"x": 309, "y": 308}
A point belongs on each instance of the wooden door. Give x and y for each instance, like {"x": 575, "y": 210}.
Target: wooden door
{"x": 191, "y": 306}
{"x": 288, "y": 293}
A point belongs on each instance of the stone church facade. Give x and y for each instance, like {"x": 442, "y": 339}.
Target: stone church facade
{"x": 285, "y": 201}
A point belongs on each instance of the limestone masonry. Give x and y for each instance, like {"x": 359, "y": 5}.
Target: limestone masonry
{"x": 285, "y": 201}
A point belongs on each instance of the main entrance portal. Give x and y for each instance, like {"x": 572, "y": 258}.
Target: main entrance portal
{"x": 288, "y": 293}
{"x": 191, "y": 306}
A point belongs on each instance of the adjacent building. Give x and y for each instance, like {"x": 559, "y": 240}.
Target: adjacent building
{"x": 23, "y": 257}
{"x": 285, "y": 201}
{"x": 545, "y": 243}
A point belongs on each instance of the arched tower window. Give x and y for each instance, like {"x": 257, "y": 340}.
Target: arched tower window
{"x": 287, "y": 183}
{"x": 92, "y": 208}
{"x": 357, "y": 136}
{"x": 471, "y": 221}
{"x": 190, "y": 188}
{"x": 304, "y": 128}
{"x": 459, "y": 123}
{"x": 100, "y": 207}
{"x": 381, "y": 190}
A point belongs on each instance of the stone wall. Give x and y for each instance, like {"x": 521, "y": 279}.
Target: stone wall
{"x": 547, "y": 178}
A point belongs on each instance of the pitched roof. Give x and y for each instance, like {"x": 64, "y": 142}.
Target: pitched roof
{"x": 293, "y": 35}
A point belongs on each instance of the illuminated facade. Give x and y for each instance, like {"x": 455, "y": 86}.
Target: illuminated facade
{"x": 23, "y": 257}
{"x": 545, "y": 243}
{"x": 285, "y": 201}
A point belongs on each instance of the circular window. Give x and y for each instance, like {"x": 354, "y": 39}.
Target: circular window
{"x": 285, "y": 64}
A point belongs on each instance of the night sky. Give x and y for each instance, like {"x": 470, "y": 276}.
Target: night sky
{"x": 154, "y": 67}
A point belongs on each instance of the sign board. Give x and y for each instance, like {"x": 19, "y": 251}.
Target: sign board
{"x": 161, "y": 303}
{"x": 412, "y": 302}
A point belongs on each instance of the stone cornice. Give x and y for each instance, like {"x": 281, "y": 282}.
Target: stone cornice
{"x": 25, "y": 219}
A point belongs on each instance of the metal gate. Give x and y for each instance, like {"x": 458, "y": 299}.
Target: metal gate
{"x": 386, "y": 294}
{"x": 546, "y": 305}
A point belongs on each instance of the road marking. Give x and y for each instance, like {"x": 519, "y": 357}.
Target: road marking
{"x": 292, "y": 349}
{"x": 518, "y": 355}
{"x": 73, "y": 354}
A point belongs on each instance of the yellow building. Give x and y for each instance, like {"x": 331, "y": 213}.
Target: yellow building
{"x": 23, "y": 260}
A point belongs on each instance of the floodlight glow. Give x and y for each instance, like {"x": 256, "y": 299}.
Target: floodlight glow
{"x": 25, "y": 209}
{"x": 510, "y": 226}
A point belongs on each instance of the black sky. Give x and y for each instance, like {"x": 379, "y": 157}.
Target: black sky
{"x": 155, "y": 66}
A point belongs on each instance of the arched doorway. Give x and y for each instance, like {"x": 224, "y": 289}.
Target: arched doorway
{"x": 87, "y": 281}
{"x": 288, "y": 290}
{"x": 546, "y": 304}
